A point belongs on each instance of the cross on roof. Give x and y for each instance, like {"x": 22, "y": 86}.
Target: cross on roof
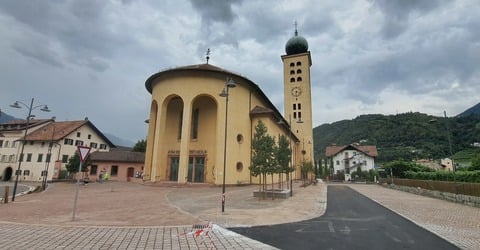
{"x": 208, "y": 54}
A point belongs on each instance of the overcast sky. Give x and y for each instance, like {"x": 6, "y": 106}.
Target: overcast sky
{"x": 90, "y": 58}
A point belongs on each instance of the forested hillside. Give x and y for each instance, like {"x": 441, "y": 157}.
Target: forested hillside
{"x": 473, "y": 110}
{"x": 403, "y": 136}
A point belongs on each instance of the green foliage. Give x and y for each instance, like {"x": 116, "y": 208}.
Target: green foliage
{"x": 74, "y": 163}
{"x": 410, "y": 170}
{"x": 399, "y": 168}
{"x": 460, "y": 176}
{"x": 475, "y": 163}
{"x": 305, "y": 169}
{"x": 405, "y": 136}
{"x": 464, "y": 159}
{"x": 320, "y": 170}
{"x": 263, "y": 151}
{"x": 283, "y": 155}
{"x": 140, "y": 146}
{"x": 365, "y": 175}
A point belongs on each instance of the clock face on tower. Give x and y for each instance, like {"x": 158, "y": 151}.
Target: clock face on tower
{"x": 296, "y": 91}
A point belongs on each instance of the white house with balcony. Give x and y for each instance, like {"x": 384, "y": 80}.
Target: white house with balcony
{"x": 347, "y": 159}
{"x": 48, "y": 146}
{"x": 10, "y": 134}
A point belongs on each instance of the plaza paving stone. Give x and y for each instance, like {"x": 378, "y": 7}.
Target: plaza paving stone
{"x": 165, "y": 216}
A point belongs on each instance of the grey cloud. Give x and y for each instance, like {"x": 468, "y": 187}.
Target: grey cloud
{"x": 215, "y": 11}
{"x": 215, "y": 16}
{"x": 87, "y": 10}
{"x": 95, "y": 63}
{"x": 78, "y": 28}
{"x": 38, "y": 52}
{"x": 397, "y": 14}
{"x": 425, "y": 60}
{"x": 32, "y": 13}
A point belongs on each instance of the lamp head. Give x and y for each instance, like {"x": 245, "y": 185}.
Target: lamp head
{"x": 230, "y": 83}
{"x": 15, "y": 105}
{"x": 45, "y": 109}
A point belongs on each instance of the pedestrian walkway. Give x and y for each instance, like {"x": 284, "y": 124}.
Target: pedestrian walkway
{"x": 456, "y": 223}
{"x": 131, "y": 216}
{"x": 21, "y": 236}
{"x": 117, "y": 215}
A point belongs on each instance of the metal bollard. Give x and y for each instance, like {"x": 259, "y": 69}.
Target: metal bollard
{"x": 5, "y": 195}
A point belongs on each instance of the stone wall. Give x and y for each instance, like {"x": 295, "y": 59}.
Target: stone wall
{"x": 473, "y": 201}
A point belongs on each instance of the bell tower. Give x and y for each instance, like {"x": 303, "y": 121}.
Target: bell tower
{"x": 298, "y": 96}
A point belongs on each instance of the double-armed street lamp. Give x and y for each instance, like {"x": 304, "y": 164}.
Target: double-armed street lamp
{"x": 225, "y": 93}
{"x": 29, "y": 116}
{"x": 448, "y": 137}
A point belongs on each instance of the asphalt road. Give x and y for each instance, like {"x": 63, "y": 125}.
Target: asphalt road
{"x": 351, "y": 221}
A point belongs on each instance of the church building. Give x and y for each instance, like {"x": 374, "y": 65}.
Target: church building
{"x": 202, "y": 120}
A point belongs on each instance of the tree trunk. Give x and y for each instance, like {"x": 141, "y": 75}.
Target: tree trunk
{"x": 273, "y": 191}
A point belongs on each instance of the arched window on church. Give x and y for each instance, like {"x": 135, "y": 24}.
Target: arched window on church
{"x": 299, "y": 71}
{"x": 299, "y": 63}
{"x": 179, "y": 136}
{"x": 292, "y": 72}
{"x": 292, "y": 79}
{"x": 299, "y": 79}
{"x": 292, "y": 64}
{"x": 195, "y": 118}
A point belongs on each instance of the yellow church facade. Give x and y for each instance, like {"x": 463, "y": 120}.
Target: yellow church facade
{"x": 202, "y": 121}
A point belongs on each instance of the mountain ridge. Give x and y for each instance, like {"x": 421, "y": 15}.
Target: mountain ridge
{"x": 473, "y": 110}
{"x": 405, "y": 136}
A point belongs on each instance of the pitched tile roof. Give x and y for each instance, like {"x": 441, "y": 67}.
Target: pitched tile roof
{"x": 59, "y": 130}
{"x": 335, "y": 149}
{"x": 55, "y": 131}
{"x": 20, "y": 124}
{"x": 118, "y": 156}
{"x": 257, "y": 110}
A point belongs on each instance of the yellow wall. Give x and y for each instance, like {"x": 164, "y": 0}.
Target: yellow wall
{"x": 178, "y": 95}
{"x": 304, "y": 130}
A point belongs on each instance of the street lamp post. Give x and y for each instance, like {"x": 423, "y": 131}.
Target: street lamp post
{"x": 30, "y": 108}
{"x": 448, "y": 137}
{"x": 291, "y": 151}
{"x": 449, "y": 141}
{"x": 225, "y": 93}
{"x": 49, "y": 158}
